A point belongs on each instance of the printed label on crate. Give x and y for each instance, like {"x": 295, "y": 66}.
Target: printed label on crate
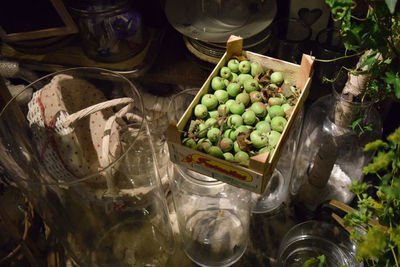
{"x": 216, "y": 169}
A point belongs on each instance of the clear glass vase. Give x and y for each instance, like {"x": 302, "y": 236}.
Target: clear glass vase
{"x": 213, "y": 217}
{"x": 330, "y": 155}
{"x": 92, "y": 179}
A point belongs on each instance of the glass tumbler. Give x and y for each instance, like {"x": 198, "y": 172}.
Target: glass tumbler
{"x": 213, "y": 217}
{"x": 86, "y": 163}
{"x": 311, "y": 239}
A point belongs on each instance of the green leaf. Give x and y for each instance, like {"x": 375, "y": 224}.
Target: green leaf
{"x": 392, "y": 78}
{"x": 391, "y": 4}
{"x": 369, "y": 60}
{"x": 375, "y": 145}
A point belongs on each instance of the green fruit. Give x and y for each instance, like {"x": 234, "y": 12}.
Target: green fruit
{"x": 221, "y": 95}
{"x": 222, "y": 110}
{"x": 213, "y": 135}
{"x": 242, "y": 157}
{"x": 225, "y": 72}
{"x": 210, "y": 101}
{"x": 228, "y": 104}
{"x": 237, "y": 108}
{"x": 267, "y": 118}
{"x": 217, "y": 83}
{"x": 256, "y": 69}
{"x": 259, "y": 109}
{"x": 275, "y": 101}
{"x": 226, "y": 144}
{"x": 250, "y": 85}
{"x": 275, "y": 111}
{"x": 236, "y": 147}
{"x": 258, "y": 138}
{"x": 202, "y": 132}
{"x": 233, "y": 77}
{"x": 235, "y": 121}
{"x": 244, "y": 66}
{"x": 215, "y": 152}
{"x": 244, "y": 98}
{"x": 249, "y": 117}
{"x": 233, "y": 89}
{"x": 273, "y": 138}
{"x": 203, "y": 144}
{"x": 233, "y": 65}
{"x": 189, "y": 142}
{"x": 229, "y": 133}
{"x": 277, "y": 77}
{"x": 200, "y": 111}
{"x": 263, "y": 126}
{"x": 255, "y": 96}
{"x": 278, "y": 123}
{"x": 243, "y": 77}
{"x": 286, "y": 107}
{"x": 211, "y": 121}
{"x": 226, "y": 82}
{"x": 228, "y": 156}
{"x": 213, "y": 113}
{"x": 264, "y": 150}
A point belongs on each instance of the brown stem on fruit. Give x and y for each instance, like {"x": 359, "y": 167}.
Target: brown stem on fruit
{"x": 220, "y": 128}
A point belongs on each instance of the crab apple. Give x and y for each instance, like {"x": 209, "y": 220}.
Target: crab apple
{"x": 275, "y": 101}
{"x": 222, "y": 110}
{"x": 213, "y": 135}
{"x": 244, "y": 66}
{"x": 213, "y": 114}
{"x": 215, "y": 152}
{"x": 244, "y": 98}
{"x": 233, "y": 65}
{"x": 259, "y": 109}
{"x": 258, "y": 138}
{"x": 237, "y": 108}
{"x": 233, "y": 89}
{"x": 211, "y": 121}
{"x": 233, "y": 77}
{"x": 221, "y": 95}
{"x": 217, "y": 83}
{"x": 228, "y": 156}
{"x": 240, "y": 129}
{"x": 226, "y": 144}
{"x": 229, "y": 133}
{"x": 242, "y": 157}
{"x": 200, "y": 111}
{"x": 235, "y": 121}
{"x": 277, "y": 77}
{"x": 273, "y": 138}
{"x": 263, "y": 126}
{"x": 255, "y": 96}
{"x": 236, "y": 147}
{"x": 210, "y": 101}
{"x": 250, "y": 85}
{"x": 278, "y": 123}
{"x": 228, "y": 104}
{"x": 256, "y": 69}
{"x": 249, "y": 117}
{"x": 203, "y": 144}
{"x": 202, "y": 130}
{"x": 225, "y": 72}
{"x": 275, "y": 111}
{"x": 189, "y": 142}
{"x": 243, "y": 77}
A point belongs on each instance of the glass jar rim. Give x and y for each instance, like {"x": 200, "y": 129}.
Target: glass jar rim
{"x": 142, "y": 124}
{"x": 189, "y": 175}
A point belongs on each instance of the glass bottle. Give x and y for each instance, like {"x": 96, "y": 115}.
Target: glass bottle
{"x": 330, "y": 156}
{"x": 213, "y": 217}
{"x": 105, "y": 213}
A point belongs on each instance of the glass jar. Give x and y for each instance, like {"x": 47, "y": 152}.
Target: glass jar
{"x": 330, "y": 156}
{"x": 312, "y": 239}
{"x": 213, "y": 217}
{"x": 111, "y": 31}
{"x": 93, "y": 181}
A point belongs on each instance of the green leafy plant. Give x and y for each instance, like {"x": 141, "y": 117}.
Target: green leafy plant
{"x": 371, "y": 30}
{"x": 376, "y": 221}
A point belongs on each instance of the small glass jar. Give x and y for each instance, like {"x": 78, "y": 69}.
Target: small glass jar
{"x": 213, "y": 217}
{"x": 312, "y": 239}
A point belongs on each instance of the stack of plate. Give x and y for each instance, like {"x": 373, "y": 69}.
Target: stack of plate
{"x": 207, "y": 24}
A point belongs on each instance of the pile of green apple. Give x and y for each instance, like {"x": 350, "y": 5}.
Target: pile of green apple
{"x": 243, "y": 114}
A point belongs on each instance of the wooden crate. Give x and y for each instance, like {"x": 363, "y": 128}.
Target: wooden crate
{"x": 255, "y": 177}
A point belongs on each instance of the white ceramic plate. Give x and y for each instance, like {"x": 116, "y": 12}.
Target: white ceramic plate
{"x": 215, "y": 20}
